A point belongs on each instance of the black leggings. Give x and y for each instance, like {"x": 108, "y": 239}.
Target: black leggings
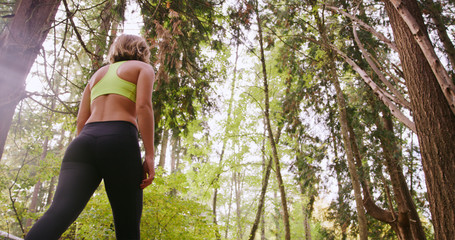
{"x": 104, "y": 150}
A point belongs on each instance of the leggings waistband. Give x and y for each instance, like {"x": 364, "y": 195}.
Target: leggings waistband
{"x": 110, "y": 128}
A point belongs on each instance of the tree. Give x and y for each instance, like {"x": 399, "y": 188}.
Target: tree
{"x": 20, "y": 43}
{"x": 435, "y": 122}
{"x": 343, "y": 118}
{"x": 273, "y": 140}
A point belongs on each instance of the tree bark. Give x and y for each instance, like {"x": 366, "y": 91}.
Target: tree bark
{"x": 20, "y": 43}
{"x": 410, "y": 14}
{"x": 435, "y": 122}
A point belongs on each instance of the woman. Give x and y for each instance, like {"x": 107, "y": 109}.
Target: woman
{"x": 116, "y": 101}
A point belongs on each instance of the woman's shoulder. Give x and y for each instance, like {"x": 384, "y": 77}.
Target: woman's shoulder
{"x": 99, "y": 73}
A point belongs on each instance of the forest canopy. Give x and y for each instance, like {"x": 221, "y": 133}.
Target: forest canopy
{"x": 274, "y": 119}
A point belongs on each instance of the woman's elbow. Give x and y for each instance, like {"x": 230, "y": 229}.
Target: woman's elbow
{"x": 144, "y": 107}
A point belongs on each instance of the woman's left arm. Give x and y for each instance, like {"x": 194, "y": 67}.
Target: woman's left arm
{"x": 84, "y": 109}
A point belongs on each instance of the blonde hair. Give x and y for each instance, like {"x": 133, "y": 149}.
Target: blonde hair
{"x": 129, "y": 47}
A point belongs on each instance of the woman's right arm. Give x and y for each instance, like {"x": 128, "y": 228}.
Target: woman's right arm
{"x": 84, "y": 109}
{"x": 146, "y": 121}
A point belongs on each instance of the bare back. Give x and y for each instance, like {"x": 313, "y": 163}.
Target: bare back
{"x": 113, "y": 107}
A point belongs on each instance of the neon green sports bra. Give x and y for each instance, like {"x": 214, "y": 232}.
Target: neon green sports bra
{"x": 111, "y": 83}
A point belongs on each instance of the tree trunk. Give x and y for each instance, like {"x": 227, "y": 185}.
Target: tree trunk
{"x": 409, "y": 12}
{"x": 217, "y": 231}
{"x": 164, "y": 141}
{"x": 226, "y": 232}
{"x": 266, "y": 170}
{"x": 363, "y": 228}
{"x": 277, "y": 216}
{"x": 263, "y": 224}
{"x": 33, "y": 203}
{"x": 238, "y": 194}
{"x": 20, "y": 43}
{"x": 435, "y": 122}
{"x": 362, "y": 221}
{"x": 110, "y": 17}
{"x": 408, "y": 218}
{"x": 306, "y": 224}
{"x": 228, "y": 121}
{"x": 50, "y": 192}
{"x": 337, "y": 162}
{"x": 271, "y": 138}
{"x": 175, "y": 153}
{"x": 259, "y": 212}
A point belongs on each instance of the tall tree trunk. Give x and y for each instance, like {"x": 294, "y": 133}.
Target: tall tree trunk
{"x": 238, "y": 195}
{"x": 263, "y": 224}
{"x": 277, "y": 215}
{"x": 164, "y": 142}
{"x": 408, "y": 218}
{"x": 271, "y": 138}
{"x": 175, "y": 153}
{"x": 20, "y": 43}
{"x": 101, "y": 38}
{"x": 228, "y": 121}
{"x": 50, "y": 192}
{"x": 33, "y": 203}
{"x": 110, "y": 16}
{"x": 217, "y": 231}
{"x": 259, "y": 212}
{"x": 264, "y": 170}
{"x": 435, "y": 122}
{"x": 306, "y": 223}
{"x": 363, "y": 228}
{"x": 265, "y": 180}
{"x": 362, "y": 221}
{"x": 226, "y": 232}
{"x": 400, "y": 224}
{"x": 338, "y": 169}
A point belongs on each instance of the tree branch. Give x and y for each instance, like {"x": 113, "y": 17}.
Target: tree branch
{"x": 365, "y": 26}
{"x": 78, "y": 35}
{"x": 399, "y": 97}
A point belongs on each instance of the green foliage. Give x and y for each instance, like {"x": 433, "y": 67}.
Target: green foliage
{"x": 193, "y": 46}
{"x": 165, "y": 215}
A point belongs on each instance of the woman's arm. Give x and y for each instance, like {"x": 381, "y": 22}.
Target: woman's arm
{"x": 84, "y": 110}
{"x": 146, "y": 121}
